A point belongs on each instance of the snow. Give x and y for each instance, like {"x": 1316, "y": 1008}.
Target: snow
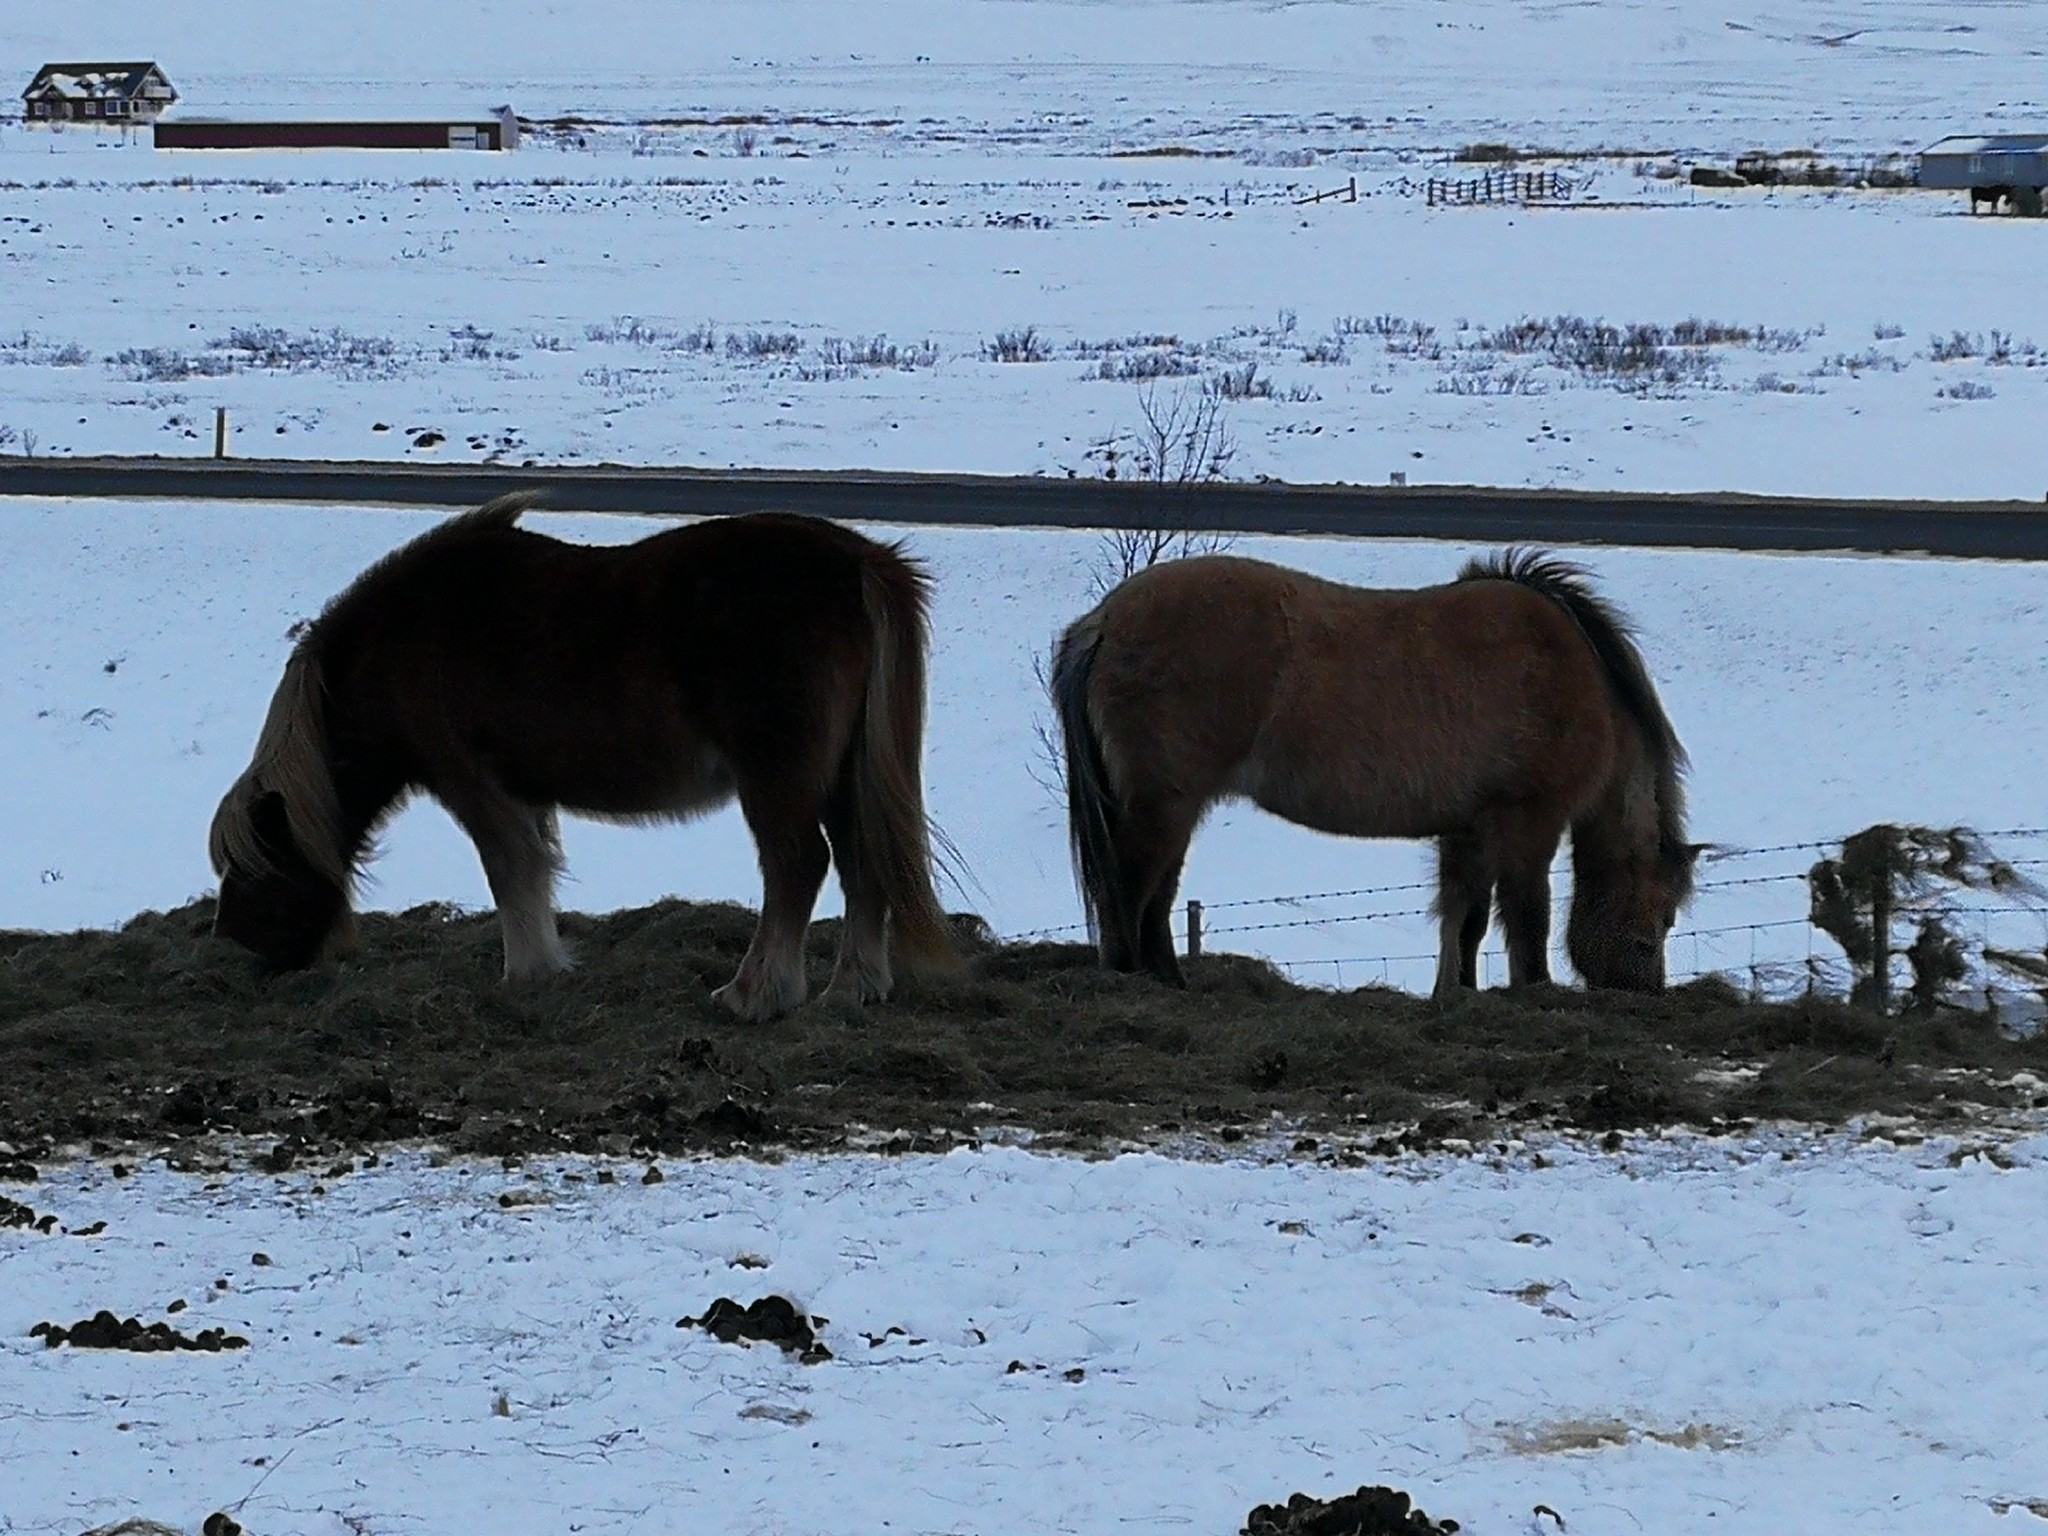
{"x": 937, "y": 174}
{"x": 1795, "y": 1335}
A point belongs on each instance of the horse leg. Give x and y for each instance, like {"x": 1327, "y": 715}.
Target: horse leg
{"x": 861, "y": 972}
{"x": 1464, "y": 893}
{"x": 1152, "y": 846}
{"x": 1527, "y": 850}
{"x": 521, "y": 849}
{"x": 794, "y": 859}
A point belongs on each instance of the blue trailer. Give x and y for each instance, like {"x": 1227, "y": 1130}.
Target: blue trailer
{"x": 2012, "y": 166}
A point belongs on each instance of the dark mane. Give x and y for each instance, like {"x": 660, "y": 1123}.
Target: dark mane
{"x": 493, "y": 517}
{"x": 1613, "y": 640}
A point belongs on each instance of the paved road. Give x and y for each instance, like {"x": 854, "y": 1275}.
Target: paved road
{"x": 1998, "y": 529}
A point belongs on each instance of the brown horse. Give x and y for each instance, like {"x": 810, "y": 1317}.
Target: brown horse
{"x": 777, "y": 659}
{"x": 1490, "y": 714}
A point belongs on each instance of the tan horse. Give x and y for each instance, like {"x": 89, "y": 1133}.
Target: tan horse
{"x": 1491, "y": 714}
{"x": 776, "y": 660}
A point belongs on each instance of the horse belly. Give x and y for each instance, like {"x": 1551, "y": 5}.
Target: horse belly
{"x": 1355, "y": 801}
{"x": 627, "y": 770}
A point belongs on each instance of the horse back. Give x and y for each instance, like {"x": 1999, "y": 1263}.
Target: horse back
{"x": 1351, "y": 709}
{"x": 1187, "y": 661}
{"x": 618, "y": 679}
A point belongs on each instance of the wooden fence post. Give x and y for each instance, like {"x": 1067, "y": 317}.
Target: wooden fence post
{"x": 220, "y": 431}
{"x": 1194, "y": 929}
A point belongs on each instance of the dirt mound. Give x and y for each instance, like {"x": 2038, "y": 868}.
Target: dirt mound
{"x": 103, "y": 1330}
{"x": 1371, "y": 1511}
{"x": 14, "y": 1214}
{"x": 159, "y": 1032}
{"x": 770, "y": 1320}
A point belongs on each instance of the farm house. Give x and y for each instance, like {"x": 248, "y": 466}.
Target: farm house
{"x": 97, "y": 93}
{"x": 2012, "y": 166}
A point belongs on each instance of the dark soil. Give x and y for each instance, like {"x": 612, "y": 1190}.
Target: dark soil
{"x": 103, "y": 1330}
{"x": 160, "y": 1032}
{"x": 14, "y": 1214}
{"x": 1372, "y": 1511}
{"x": 770, "y": 1320}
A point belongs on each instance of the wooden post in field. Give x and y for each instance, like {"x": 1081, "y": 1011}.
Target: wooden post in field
{"x": 1194, "y": 929}
{"x": 1881, "y": 931}
{"x": 220, "y": 431}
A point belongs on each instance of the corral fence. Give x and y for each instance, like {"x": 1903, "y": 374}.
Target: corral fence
{"x": 1751, "y": 921}
{"x": 1501, "y": 186}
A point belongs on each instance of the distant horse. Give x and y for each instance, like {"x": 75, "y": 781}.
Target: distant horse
{"x": 777, "y": 659}
{"x": 1490, "y": 714}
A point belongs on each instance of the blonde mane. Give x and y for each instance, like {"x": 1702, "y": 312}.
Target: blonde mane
{"x": 290, "y": 762}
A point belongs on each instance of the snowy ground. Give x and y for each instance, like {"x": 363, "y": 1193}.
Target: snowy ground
{"x": 801, "y": 240}
{"x": 1791, "y": 1336}
{"x": 1817, "y": 695}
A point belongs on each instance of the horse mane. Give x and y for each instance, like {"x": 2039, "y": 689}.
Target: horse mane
{"x": 1612, "y": 638}
{"x": 290, "y": 762}
{"x": 291, "y": 758}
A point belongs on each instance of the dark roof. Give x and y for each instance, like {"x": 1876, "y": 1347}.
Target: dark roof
{"x": 96, "y": 80}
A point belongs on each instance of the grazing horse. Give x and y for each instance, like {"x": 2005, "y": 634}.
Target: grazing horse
{"x": 774, "y": 658}
{"x": 1490, "y": 714}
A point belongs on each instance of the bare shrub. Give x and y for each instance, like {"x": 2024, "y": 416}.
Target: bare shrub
{"x": 270, "y": 347}
{"x": 761, "y": 345}
{"x": 26, "y": 349}
{"x": 1138, "y": 367}
{"x": 164, "y": 365}
{"x": 1400, "y": 338}
{"x": 1019, "y": 346}
{"x": 1241, "y": 383}
{"x": 628, "y": 330}
{"x": 1956, "y": 347}
{"x": 874, "y": 352}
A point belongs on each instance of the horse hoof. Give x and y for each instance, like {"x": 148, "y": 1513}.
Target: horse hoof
{"x": 559, "y": 963}
{"x": 756, "y": 1006}
{"x": 858, "y": 990}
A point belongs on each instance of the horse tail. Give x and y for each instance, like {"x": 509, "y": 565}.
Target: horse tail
{"x": 1612, "y": 638}
{"x": 291, "y": 763}
{"x": 1091, "y": 801}
{"x": 894, "y": 834}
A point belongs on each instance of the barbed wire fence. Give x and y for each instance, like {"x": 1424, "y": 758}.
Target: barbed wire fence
{"x": 1776, "y": 956}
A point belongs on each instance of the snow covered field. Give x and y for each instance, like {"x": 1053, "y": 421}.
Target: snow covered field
{"x": 712, "y": 266}
{"x": 1796, "y": 1336}
{"x": 801, "y": 237}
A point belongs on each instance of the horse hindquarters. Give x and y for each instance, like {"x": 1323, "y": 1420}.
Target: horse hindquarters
{"x": 880, "y": 834}
{"x": 1164, "y": 693}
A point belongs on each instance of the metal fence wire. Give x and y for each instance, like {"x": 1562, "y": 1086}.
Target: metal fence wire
{"x": 1778, "y": 954}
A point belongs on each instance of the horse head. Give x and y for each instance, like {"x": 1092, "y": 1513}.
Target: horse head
{"x": 274, "y": 900}
{"x": 1623, "y": 913}
{"x": 277, "y": 841}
